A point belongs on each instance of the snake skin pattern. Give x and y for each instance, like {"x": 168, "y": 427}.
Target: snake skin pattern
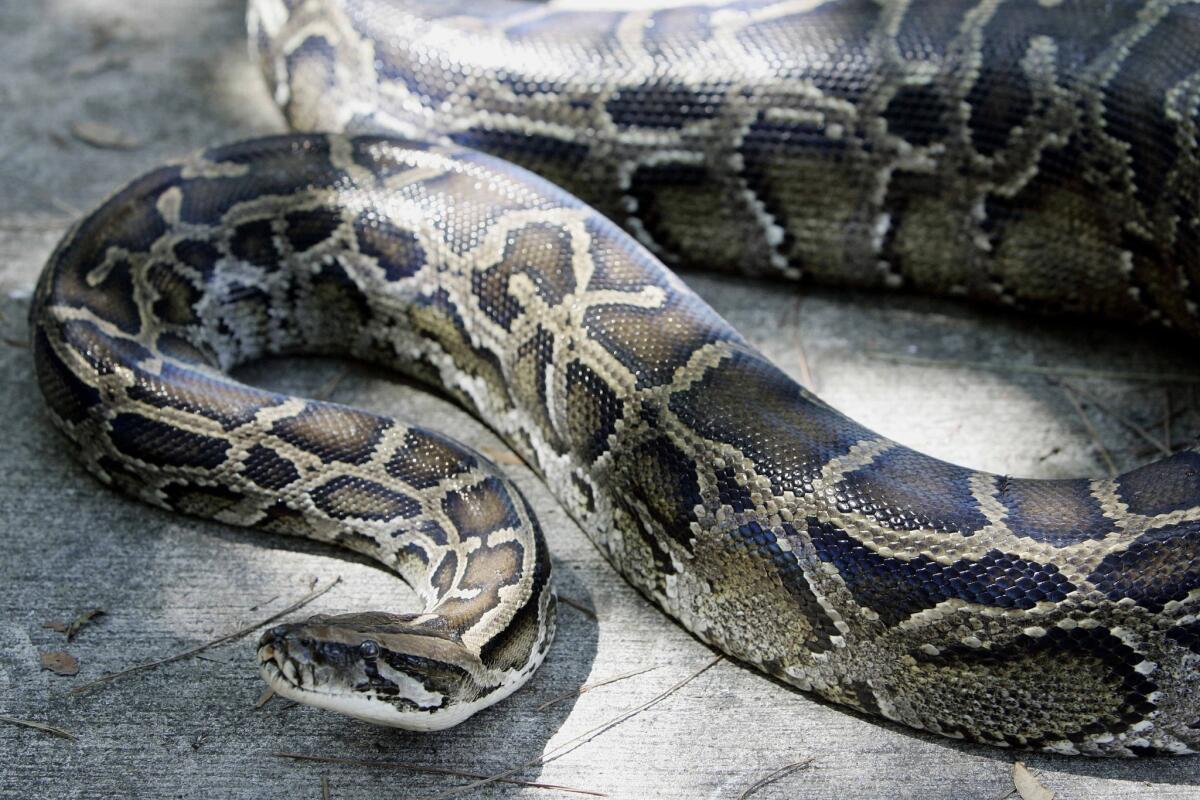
{"x": 1023, "y": 151}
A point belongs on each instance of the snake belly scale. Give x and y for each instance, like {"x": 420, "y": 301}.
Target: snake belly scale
{"x": 1051, "y": 614}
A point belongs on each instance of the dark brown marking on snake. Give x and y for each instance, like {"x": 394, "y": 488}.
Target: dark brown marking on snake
{"x": 663, "y": 479}
{"x": 732, "y": 491}
{"x": 231, "y": 404}
{"x": 177, "y": 297}
{"x": 443, "y": 577}
{"x": 375, "y": 154}
{"x": 1171, "y": 554}
{"x": 130, "y": 222}
{"x": 789, "y": 166}
{"x": 255, "y": 243}
{"x": 268, "y": 469}
{"x": 1186, "y": 635}
{"x": 527, "y": 382}
{"x": 308, "y": 228}
{"x": 346, "y": 305}
{"x": 1001, "y": 98}
{"x": 431, "y": 529}
{"x": 104, "y": 353}
{"x": 334, "y": 433}
{"x": 906, "y": 490}
{"x": 490, "y": 286}
{"x": 1060, "y": 513}
{"x": 786, "y": 433}
{"x": 436, "y": 318}
{"x": 181, "y": 349}
{"x": 1134, "y": 110}
{"x": 544, "y": 253}
{"x": 512, "y": 649}
{"x": 348, "y": 496}
{"x": 668, "y": 199}
{"x": 481, "y": 509}
{"x": 664, "y": 105}
{"x": 427, "y": 458}
{"x": 836, "y": 33}
{"x": 488, "y": 203}
{"x": 199, "y": 255}
{"x": 593, "y": 410}
{"x": 633, "y": 336}
{"x": 918, "y": 115}
{"x": 280, "y": 517}
{"x": 67, "y": 395}
{"x": 200, "y": 501}
{"x": 898, "y": 588}
{"x": 487, "y": 571}
{"x": 166, "y": 445}
{"x": 396, "y": 250}
{"x": 761, "y": 563}
{"x": 928, "y": 35}
{"x": 1171, "y": 484}
{"x": 275, "y": 165}
{"x": 1098, "y": 690}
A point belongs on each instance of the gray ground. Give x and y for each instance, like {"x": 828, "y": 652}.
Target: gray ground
{"x": 173, "y": 76}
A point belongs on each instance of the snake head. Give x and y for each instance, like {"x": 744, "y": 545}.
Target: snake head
{"x": 381, "y": 668}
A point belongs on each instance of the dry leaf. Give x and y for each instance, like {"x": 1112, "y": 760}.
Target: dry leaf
{"x": 1028, "y": 786}
{"x": 82, "y": 620}
{"x": 60, "y": 663}
{"x": 55, "y": 625}
{"x": 106, "y": 137}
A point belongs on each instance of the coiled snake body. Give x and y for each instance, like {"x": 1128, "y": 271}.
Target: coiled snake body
{"x": 1038, "y": 154}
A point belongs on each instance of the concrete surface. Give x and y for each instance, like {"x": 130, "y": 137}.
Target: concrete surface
{"x": 173, "y": 76}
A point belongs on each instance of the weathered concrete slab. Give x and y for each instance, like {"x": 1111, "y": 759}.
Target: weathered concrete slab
{"x": 173, "y": 75}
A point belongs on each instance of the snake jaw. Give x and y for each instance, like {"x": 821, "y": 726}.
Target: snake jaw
{"x": 396, "y": 678}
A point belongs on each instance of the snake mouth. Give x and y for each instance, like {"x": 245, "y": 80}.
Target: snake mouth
{"x": 282, "y": 672}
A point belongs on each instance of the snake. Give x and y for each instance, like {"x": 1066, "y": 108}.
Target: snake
{"x": 423, "y": 215}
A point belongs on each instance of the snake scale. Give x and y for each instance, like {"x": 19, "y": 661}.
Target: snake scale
{"x": 1037, "y": 154}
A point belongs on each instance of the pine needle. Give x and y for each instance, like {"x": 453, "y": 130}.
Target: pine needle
{"x": 587, "y": 687}
{"x": 358, "y": 762}
{"x": 583, "y": 738}
{"x": 774, "y": 776}
{"x": 40, "y": 726}
{"x": 229, "y": 637}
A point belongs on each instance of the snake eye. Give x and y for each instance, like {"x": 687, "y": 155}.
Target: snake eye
{"x": 369, "y": 649}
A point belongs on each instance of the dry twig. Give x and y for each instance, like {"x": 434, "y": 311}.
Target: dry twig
{"x": 774, "y": 776}
{"x": 587, "y": 687}
{"x": 580, "y": 607}
{"x": 330, "y": 386}
{"x": 40, "y": 726}
{"x": 1167, "y": 417}
{"x": 583, "y": 738}
{"x": 1054, "y": 372}
{"x": 358, "y": 762}
{"x": 1121, "y": 418}
{"x": 263, "y": 698}
{"x": 1091, "y": 429}
{"x": 229, "y": 637}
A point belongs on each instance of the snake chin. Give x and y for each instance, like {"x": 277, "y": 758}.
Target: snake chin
{"x": 380, "y": 671}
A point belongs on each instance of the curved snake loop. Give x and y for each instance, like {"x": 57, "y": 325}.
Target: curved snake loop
{"x": 1029, "y": 153}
